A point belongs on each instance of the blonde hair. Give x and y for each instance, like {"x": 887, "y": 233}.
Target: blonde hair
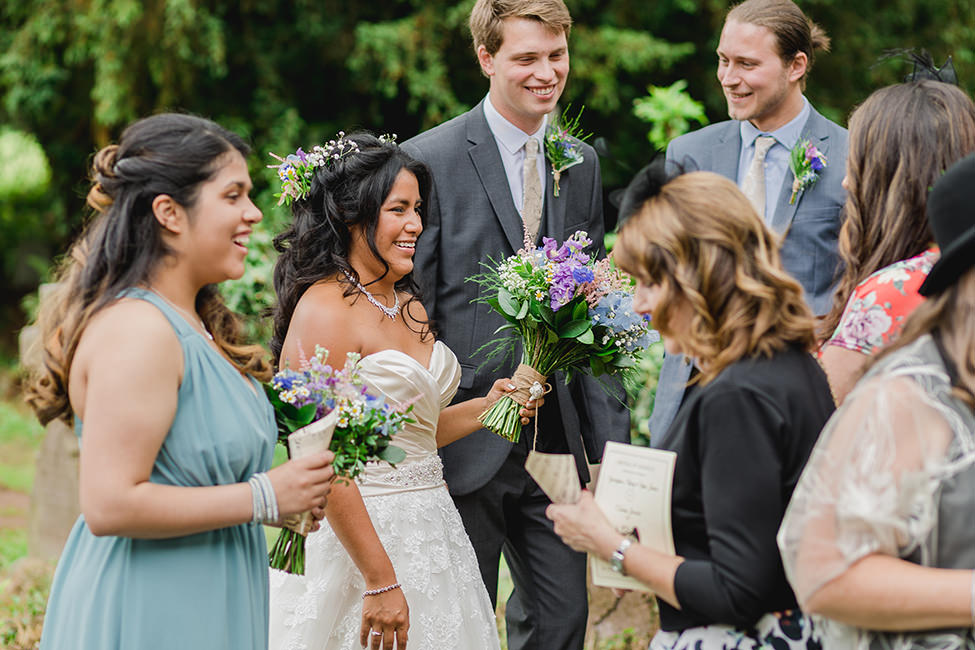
{"x": 700, "y": 239}
{"x": 487, "y": 19}
{"x": 164, "y": 154}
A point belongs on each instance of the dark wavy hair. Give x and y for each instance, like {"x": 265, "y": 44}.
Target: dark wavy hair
{"x": 346, "y": 194}
{"x": 169, "y": 154}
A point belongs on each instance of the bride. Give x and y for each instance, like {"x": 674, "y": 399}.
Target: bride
{"x": 394, "y": 561}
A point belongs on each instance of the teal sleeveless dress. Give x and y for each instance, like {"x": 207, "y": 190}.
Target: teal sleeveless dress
{"x": 208, "y": 590}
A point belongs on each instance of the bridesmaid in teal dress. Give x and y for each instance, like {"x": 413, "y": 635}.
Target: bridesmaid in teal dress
{"x": 176, "y": 436}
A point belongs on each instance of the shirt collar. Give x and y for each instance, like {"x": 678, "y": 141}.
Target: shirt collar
{"x": 510, "y": 136}
{"x": 787, "y": 135}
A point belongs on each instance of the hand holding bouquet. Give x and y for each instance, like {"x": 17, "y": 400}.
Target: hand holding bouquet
{"x": 364, "y": 426}
{"x": 571, "y": 313}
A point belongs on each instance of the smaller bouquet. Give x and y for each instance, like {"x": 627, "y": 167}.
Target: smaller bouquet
{"x": 563, "y": 138}
{"x": 364, "y": 426}
{"x": 571, "y": 314}
{"x": 805, "y": 161}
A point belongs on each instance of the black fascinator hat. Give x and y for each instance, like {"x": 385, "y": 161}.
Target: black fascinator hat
{"x": 926, "y": 68}
{"x": 951, "y": 215}
{"x": 645, "y": 185}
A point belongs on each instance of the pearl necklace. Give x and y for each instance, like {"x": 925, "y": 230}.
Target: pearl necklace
{"x": 197, "y": 320}
{"x": 389, "y": 311}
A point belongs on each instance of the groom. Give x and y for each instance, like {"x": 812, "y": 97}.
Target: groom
{"x": 765, "y": 52}
{"x": 491, "y": 182}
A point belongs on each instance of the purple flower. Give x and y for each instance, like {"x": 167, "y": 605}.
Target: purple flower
{"x": 817, "y": 164}
{"x": 553, "y": 251}
{"x": 563, "y": 287}
{"x": 301, "y": 155}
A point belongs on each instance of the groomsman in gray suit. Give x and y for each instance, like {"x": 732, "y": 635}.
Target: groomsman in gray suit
{"x": 764, "y": 54}
{"x": 491, "y": 183}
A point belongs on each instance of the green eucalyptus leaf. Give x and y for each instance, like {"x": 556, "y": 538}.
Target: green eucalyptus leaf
{"x": 392, "y": 455}
{"x": 585, "y": 338}
{"x": 508, "y": 303}
{"x": 574, "y": 329}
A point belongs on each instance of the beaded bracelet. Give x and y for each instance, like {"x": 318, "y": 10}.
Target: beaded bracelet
{"x": 381, "y": 590}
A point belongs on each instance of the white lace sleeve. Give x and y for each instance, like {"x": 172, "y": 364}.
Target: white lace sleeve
{"x": 870, "y": 485}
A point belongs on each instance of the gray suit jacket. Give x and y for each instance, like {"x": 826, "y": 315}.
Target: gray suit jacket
{"x": 469, "y": 220}
{"x": 811, "y": 226}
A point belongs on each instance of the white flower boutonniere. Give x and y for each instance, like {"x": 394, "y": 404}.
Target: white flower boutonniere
{"x": 805, "y": 161}
{"x": 562, "y": 144}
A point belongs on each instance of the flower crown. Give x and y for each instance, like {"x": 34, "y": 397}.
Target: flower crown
{"x": 296, "y": 170}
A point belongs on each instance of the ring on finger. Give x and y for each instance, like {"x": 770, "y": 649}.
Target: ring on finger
{"x": 375, "y": 633}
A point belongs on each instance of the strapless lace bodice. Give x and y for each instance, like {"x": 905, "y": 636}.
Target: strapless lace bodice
{"x": 400, "y": 378}
{"x": 417, "y": 523}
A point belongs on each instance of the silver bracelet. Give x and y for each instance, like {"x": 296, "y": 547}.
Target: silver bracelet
{"x": 264, "y": 501}
{"x": 381, "y": 590}
{"x": 270, "y": 499}
{"x": 259, "y": 515}
{"x": 270, "y": 496}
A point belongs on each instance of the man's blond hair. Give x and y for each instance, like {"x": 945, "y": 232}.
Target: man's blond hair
{"x": 487, "y": 18}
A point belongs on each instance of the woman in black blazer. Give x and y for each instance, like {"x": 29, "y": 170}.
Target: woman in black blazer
{"x": 708, "y": 272}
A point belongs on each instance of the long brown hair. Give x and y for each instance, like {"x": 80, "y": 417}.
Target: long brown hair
{"x": 122, "y": 245}
{"x": 952, "y": 312}
{"x": 902, "y": 138}
{"x": 701, "y": 240}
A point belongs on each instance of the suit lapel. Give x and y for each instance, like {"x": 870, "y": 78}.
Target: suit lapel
{"x": 727, "y": 152}
{"x": 490, "y": 170}
{"x": 784, "y": 212}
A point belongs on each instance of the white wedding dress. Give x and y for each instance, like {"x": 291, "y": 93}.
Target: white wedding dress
{"x": 417, "y": 523}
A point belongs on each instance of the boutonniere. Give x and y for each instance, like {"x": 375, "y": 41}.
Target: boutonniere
{"x": 805, "y": 161}
{"x": 563, "y": 138}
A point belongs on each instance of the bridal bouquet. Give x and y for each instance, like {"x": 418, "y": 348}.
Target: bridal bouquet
{"x": 570, "y": 312}
{"x": 364, "y": 426}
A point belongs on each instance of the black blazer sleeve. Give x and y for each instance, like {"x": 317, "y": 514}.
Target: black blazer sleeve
{"x": 741, "y": 468}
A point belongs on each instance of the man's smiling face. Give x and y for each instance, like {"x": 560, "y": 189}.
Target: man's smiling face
{"x": 528, "y": 71}
{"x": 758, "y": 85}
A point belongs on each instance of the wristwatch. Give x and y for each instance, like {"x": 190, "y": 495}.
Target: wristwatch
{"x": 616, "y": 559}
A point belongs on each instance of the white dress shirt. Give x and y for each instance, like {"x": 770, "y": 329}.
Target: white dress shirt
{"x": 511, "y": 145}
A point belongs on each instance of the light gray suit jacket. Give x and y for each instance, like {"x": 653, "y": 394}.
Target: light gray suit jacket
{"x": 811, "y": 227}
{"x": 469, "y": 220}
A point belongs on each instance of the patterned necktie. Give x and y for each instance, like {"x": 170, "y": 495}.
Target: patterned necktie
{"x": 754, "y": 184}
{"x": 531, "y": 212}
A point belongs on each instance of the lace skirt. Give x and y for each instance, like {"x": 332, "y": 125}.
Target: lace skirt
{"x": 790, "y": 630}
{"x": 434, "y": 561}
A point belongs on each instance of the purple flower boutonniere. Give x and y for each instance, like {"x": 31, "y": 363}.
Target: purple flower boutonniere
{"x": 805, "y": 161}
{"x": 563, "y": 144}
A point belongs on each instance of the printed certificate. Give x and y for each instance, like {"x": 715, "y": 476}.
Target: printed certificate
{"x": 634, "y": 491}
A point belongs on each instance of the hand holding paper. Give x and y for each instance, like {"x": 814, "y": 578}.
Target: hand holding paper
{"x": 312, "y": 439}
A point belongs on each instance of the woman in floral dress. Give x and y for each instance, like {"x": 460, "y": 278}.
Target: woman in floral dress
{"x": 902, "y": 138}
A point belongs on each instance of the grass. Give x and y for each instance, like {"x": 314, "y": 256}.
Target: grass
{"x": 20, "y": 438}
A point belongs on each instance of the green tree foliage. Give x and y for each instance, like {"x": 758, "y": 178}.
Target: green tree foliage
{"x": 292, "y": 72}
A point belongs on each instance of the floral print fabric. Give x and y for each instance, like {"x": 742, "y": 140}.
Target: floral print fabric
{"x": 879, "y": 305}
{"x": 790, "y": 630}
